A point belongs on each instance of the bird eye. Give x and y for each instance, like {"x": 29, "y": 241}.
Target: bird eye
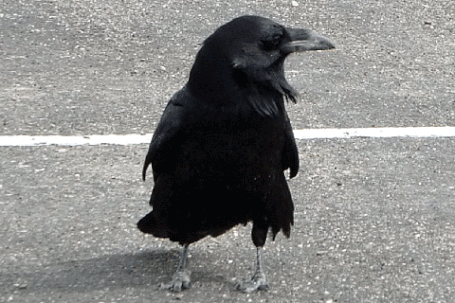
{"x": 272, "y": 42}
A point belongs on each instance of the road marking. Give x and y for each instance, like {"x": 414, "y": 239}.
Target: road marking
{"x": 300, "y": 134}
{"x": 74, "y": 140}
{"x": 385, "y": 132}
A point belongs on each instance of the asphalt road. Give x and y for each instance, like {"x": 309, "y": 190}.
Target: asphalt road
{"x": 375, "y": 218}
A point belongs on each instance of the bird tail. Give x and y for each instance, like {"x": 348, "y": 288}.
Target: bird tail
{"x": 149, "y": 225}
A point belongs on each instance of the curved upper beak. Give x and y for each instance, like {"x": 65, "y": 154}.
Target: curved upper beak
{"x": 306, "y": 40}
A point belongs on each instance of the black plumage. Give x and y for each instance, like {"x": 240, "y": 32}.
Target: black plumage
{"x": 224, "y": 141}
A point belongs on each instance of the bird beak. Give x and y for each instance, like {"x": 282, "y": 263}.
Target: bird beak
{"x": 303, "y": 40}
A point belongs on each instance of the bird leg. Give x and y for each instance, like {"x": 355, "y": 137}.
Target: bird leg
{"x": 181, "y": 279}
{"x": 258, "y": 281}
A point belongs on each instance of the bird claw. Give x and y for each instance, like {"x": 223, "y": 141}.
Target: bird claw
{"x": 180, "y": 281}
{"x": 257, "y": 283}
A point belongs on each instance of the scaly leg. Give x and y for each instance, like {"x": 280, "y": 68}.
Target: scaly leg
{"x": 181, "y": 279}
{"x": 258, "y": 281}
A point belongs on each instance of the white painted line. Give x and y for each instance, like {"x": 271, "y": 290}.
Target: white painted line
{"x": 300, "y": 134}
{"x": 386, "y": 132}
{"x": 75, "y": 140}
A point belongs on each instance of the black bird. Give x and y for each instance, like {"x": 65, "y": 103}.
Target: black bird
{"x": 224, "y": 141}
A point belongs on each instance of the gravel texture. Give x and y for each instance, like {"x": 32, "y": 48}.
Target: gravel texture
{"x": 375, "y": 218}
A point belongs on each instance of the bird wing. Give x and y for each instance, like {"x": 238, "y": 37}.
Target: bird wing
{"x": 167, "y": 131}
{"x": 290, "y": 155}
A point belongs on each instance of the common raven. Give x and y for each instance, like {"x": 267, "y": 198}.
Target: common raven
{"x": 224, "y": 141}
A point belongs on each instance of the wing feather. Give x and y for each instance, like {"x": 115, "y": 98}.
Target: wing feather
{"x": 167, "y": 131}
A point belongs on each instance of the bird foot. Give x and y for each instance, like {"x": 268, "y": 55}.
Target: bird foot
{"x": 257, "y": 282}
{"x": 180, "y": 281}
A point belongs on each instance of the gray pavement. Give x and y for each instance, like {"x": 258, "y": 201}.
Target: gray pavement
{"x": 374, "y": 218}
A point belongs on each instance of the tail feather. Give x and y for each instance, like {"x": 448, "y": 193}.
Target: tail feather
{"x": 149, "y": 225}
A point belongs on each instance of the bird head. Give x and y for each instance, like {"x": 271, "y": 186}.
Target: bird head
{"x": 251, "y": 50}
{"x": 254, "y": 41}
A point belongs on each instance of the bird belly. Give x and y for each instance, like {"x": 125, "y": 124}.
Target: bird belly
{"x": 220, "y": 179}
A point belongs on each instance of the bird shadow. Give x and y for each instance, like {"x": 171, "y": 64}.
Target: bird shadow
{"x": 137, "y": 270}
